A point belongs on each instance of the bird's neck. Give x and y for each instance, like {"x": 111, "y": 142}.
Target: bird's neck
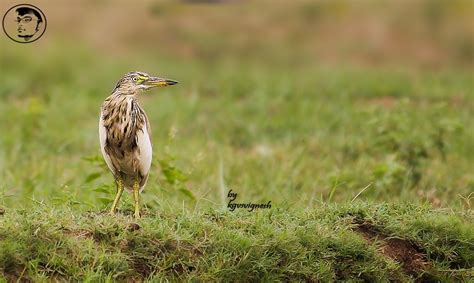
{"x": 119, "y": 105}
{"x": 122, "y": 115}
{"x": 119, "y": 94}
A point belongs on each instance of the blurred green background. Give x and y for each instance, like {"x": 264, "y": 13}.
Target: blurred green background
{"x": 297, "y": 102}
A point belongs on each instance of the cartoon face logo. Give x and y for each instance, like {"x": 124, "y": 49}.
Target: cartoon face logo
{"x": 29, "y": 22}
{"x": 24, "y": 23}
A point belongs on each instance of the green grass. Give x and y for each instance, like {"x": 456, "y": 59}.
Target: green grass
{"x": 318, "y": 244}
{"x": 292, "y": 137}
{"x": 329, "y": 147}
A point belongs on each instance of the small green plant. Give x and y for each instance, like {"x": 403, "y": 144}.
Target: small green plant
{"x": 174, "y": 177}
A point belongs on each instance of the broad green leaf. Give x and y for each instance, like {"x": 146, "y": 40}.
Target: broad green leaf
{"x": 91, "y": 177}
{"x": 187, "y": 193}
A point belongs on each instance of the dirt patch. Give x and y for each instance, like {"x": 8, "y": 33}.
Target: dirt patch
{"x": 410, "y": 256}
{"x": 141, "y": 266}
{"x": 79, "y": 233}
{"x": 16, "y": 275}
{"x": 133, "y": 227}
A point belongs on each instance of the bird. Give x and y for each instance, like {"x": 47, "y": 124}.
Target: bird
{"x": 125, "y": 135}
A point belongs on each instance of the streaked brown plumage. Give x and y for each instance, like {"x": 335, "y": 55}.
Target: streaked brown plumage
{"x": 121, "y": 143}
{"x": 125, "y": 134}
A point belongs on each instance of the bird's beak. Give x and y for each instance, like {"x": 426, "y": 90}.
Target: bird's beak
{"x": 154, "y": 81}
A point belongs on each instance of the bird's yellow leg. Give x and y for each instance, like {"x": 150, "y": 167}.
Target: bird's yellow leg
{"x": 136, "y": 197}
{"x": 117, "y": 196}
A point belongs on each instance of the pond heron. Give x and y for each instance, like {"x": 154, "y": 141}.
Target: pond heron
{"x": 124, "y": 132}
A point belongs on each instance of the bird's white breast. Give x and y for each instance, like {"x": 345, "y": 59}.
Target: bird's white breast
{"x": 103, "y": 139}
{"x": 125, "y": 142}
{"x": 145, "y": 155}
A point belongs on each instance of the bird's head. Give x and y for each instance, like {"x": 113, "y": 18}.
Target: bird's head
{"x": 133, "y": 82}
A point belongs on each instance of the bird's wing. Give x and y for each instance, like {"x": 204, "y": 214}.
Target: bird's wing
{"x": 103, "y": 139}
{"x": 144, "y": 144}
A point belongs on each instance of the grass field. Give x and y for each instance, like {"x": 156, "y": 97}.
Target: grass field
{"x": 330, "y": 242}
{"x": 368, "y": 167}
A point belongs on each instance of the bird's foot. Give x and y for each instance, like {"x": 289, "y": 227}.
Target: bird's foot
{"x": 137, "y": 214}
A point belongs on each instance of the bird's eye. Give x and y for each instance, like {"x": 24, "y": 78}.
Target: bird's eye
{"x": 135, "y": 79}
